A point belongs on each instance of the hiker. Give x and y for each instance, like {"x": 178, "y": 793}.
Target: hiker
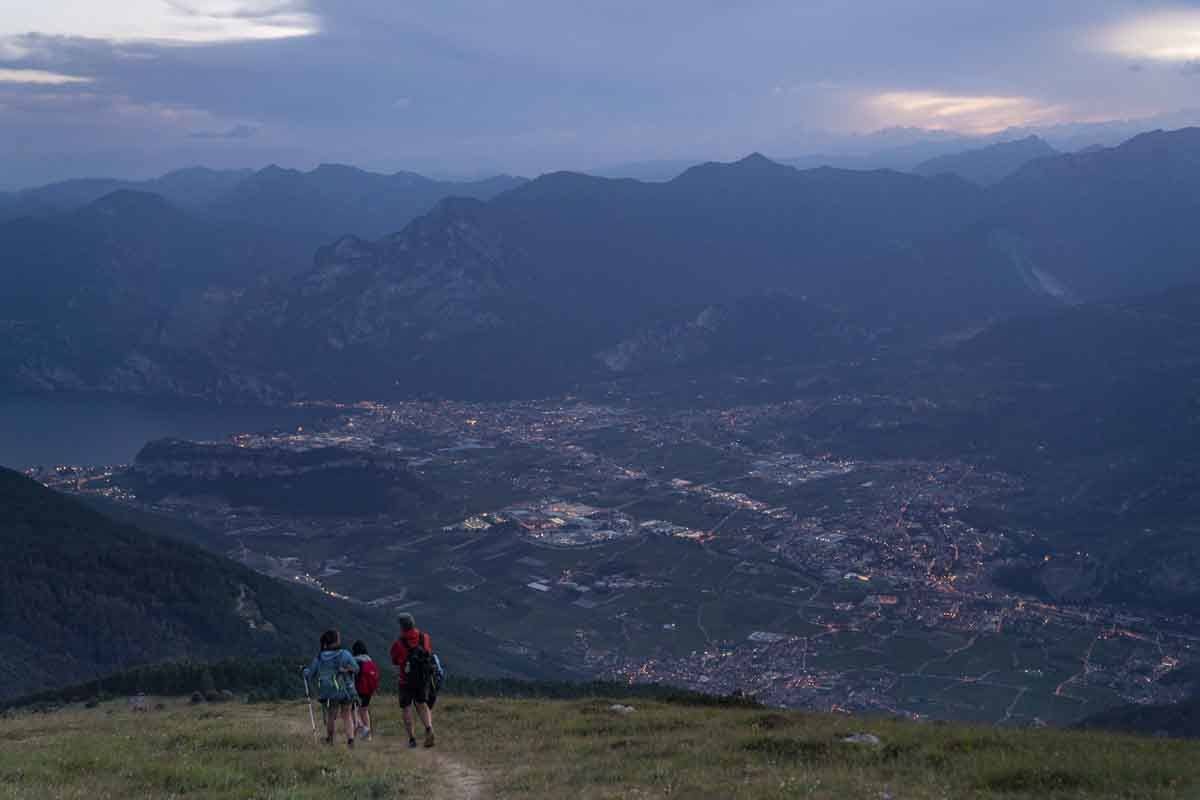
{"x": 335, "y": 669}
{"x": 412, "y": 653}
{"x": 365, "y": 684}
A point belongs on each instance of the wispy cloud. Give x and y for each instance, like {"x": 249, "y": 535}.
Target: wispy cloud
{"x": 236, "y": 132}
{"x": 224, "y": 20}
{"x": 39, "y": 77}
{"x": 165, "y": 21}
{"x": 964, "y": 113}
{"x": 1164, "y": 35}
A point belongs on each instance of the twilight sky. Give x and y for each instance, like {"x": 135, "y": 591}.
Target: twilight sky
{"x": 135, "y": 87}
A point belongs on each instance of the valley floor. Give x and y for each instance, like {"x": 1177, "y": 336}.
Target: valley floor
{"x": 582, "y": 750}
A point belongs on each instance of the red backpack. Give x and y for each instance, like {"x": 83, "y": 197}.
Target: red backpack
{"x": 368, "y": 678}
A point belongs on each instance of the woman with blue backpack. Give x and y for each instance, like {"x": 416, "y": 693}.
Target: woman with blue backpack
{"x": 334, "y": 670}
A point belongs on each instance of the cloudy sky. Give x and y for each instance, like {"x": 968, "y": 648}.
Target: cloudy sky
{"x": 134, "y": 87}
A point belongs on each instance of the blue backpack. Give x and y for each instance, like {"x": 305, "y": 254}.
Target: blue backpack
{"x": 439, "y": 674}
{"x": 334, "y": 680}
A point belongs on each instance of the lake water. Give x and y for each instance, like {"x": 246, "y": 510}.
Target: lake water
{"x": 65, "y": 429}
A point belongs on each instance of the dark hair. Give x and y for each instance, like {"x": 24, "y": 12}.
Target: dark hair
{"x": 359, "y": 648}
{"x": 330, "y": 639}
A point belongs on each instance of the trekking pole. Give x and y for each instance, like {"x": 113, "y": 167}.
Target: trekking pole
{"x": 311, "y": 717}
{"x": 353, "y": 707}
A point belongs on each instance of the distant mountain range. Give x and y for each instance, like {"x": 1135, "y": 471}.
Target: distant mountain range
{"x": 905, "y": 148}
{"x": 318, "y": 205}
{"x": 108, "y": 295}
{"x": 333, "y": 200}
{"x": 988, "y": 165}
{"x": 120, "y": 286}
{"x": 459, "y": 302}
{"x": 571, "y": 278}
{"x": 193, "y": 187}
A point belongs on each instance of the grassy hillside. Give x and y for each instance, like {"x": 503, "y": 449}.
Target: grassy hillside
{"x": 83, "y": 596}
{"x": 578, "y": 749}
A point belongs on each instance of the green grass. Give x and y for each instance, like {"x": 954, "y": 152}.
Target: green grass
{"x": 584, "y": 751}
{"x": 573, "y": 749}
{"x": 225, "y": 751}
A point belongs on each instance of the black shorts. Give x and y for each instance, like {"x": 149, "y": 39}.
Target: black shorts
{"x": 337, "y": 702}
{"x": 410, "y": 695}
{"x": 364, "y": 700}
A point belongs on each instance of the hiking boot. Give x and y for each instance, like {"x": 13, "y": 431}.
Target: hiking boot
{"x": 429, "y": 738}
{"x": 350, "y": 743}
{"x": 412, "y": 742}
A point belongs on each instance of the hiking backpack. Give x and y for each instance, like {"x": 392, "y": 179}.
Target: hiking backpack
{"x": 419, "y": 669}
{"x": 368, "y": 678}
{"x": 333, "y": 683}
{"x": 439, "y": 674}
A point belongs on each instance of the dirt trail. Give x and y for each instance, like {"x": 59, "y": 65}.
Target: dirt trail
{"x": 460, "y": 781}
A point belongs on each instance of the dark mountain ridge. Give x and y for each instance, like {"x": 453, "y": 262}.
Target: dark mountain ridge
{"x": 127, "y": 290}
{"x": 1110, "y": 223}
{"x": 201, "y": 189}
{"x": 334, "y": 200}
{"x": 721, "y": 229}
{"x": 83, "y": 596}
{"x": 124, "y": 293}
{"x": 472, "y": 288}
{"x": 444, "y": 305}
{"x": 461, "y": 300}
{"x": 190, "y": 187}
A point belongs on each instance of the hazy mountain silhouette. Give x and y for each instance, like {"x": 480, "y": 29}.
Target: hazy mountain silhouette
{"x": 125, "y": 289}
{"x": 323, "y": 203}
{"x": 101, "y": 297}
{"x": 1117, "y": 221}
{"x": 619, "y": 248}
{"x": 459, "y": 301}
{"x": 192, "y": 187}
{"x": 334, "y": 199}
{"x": 988, "y": 165}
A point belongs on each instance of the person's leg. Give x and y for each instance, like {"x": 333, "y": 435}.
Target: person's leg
{"x": 348, "y": 722}
{"x": 427, "y": 720}
{"x": 364, "y": 715}
{"x": 330, "y": 716}
{"x": 407, "y": 713}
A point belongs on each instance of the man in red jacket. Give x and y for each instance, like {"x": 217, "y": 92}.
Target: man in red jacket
{"x": 412, "y": 653}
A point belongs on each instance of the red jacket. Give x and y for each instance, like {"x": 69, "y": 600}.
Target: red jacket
{"x": 400, "y": 650}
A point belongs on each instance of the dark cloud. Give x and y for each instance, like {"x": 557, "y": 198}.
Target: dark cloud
{"x": 464, "y": 85}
